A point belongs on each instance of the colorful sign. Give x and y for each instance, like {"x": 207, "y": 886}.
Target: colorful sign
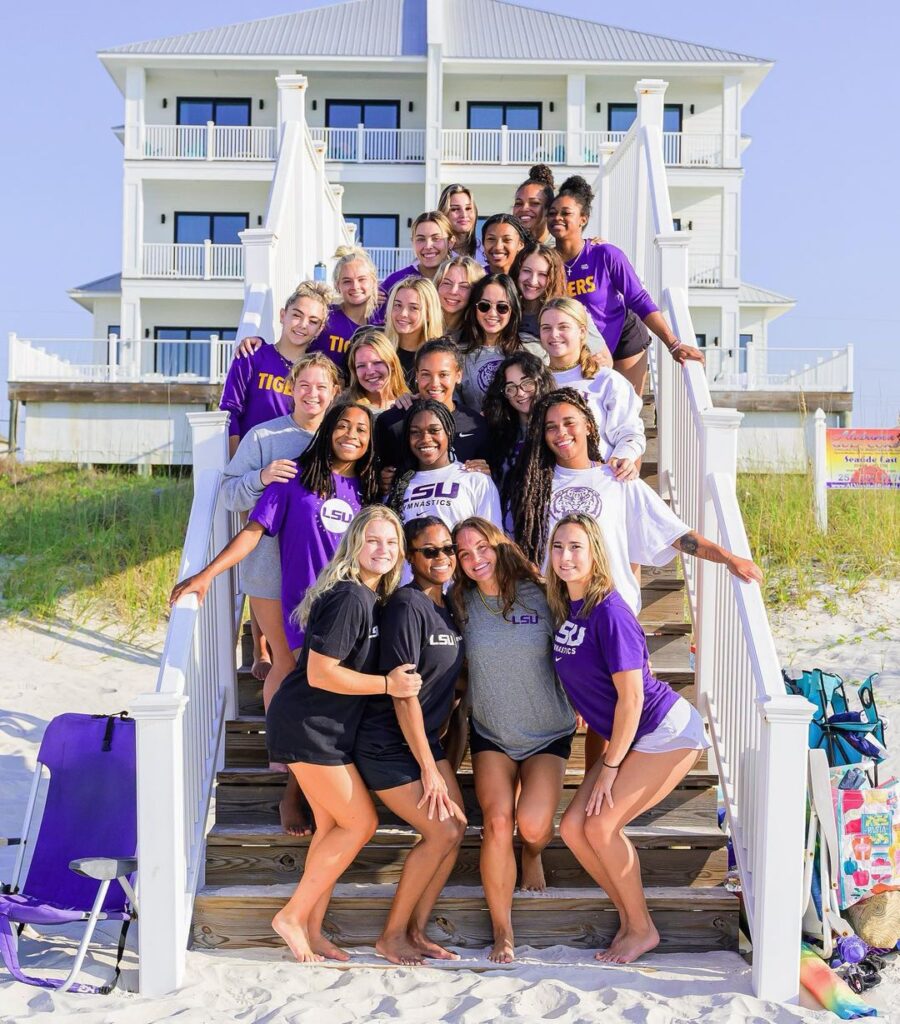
{"x": 858, "y": 457}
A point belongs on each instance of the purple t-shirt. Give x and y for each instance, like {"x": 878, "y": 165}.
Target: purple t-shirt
{"x": 309, "y": 529}
{"x": 587, "y": 651}
{"x": 254, "y": 390}
{"x": 334, "y": 338}
{"x": 605, "y": 283}
{"x": 379, "y": 316}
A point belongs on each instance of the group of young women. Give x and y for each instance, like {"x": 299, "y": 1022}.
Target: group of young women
{"x": 444, "y": 515}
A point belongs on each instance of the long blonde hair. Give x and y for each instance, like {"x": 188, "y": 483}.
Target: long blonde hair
{"x": 577, "y": 311}
{"x": 344, "y": 564}
{"x": 381, "y": 343}
{"x": 474, "y": 272}
{"x": 346, "y": 254}
{"x": 432, "y": 314}
{"x": 600, "y": 582}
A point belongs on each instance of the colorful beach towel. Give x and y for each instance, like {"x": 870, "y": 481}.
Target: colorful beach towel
{"x": 829, "y": 988}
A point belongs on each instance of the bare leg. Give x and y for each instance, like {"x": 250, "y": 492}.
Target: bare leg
{"x": 495, "y": 786}
{"x": 634, "y": 370}
{"x": 455, "y": 736}
{"x": 317, "y": 940}
{"x": 341, "y": 792}
{"x": 439, "y": 839}
{"x": 262, "y": 659}
{"x": 542, "y": 781}
{"x": 594, "y": 747}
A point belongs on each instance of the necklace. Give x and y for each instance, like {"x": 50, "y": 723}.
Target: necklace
{"x": 287, "y": 362}
{"x": 493, "y": 611}
{"x": 565, "y": 369}
{"x": 568, "y": 264}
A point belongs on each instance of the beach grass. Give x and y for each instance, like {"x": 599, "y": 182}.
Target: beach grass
{"x": 862, "y": 542}
{"x": 102, "y": 541}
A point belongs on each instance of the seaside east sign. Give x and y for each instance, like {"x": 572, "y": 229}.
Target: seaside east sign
{"x": 858, "y": 457}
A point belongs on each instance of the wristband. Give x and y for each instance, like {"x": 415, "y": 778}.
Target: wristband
{"x": 385, "y": 684}
{"x": 615, "y": 767}
{"x": 675, "y": 347}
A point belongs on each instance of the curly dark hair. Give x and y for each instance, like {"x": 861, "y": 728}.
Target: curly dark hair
{"x": 578, "y": 189}
{"x": 471, "y": 333}
{"x": 315, "y": 462}
{"x": 409, "y": 466}
{"x": 532, "y": 480}
{"x": 541, "y": 175}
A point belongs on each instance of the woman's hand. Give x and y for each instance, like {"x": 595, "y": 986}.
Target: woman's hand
{"x": 625, "y": 469}
{"x": 279, "y": 471}
{"x": 405, "y": 400}
{"x": 403, "y": 681}
{"x": 248, "y": 346}
{"x": 437, "y": 798}
{"x": 197, "y": 584}
{"x": 477, "y": 466}
{"x": 744, "y": 569}
{"x": 684, "y": 353}
{"x": 600, "y": 359}
{"x": 602, "y": 791}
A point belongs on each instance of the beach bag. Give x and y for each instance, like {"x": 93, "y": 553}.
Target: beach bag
{"x": 868, "y": 827}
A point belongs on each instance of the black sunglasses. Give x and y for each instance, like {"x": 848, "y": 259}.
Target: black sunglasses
{"x": 432, "y": 550}
{"x": 483, "y": 306}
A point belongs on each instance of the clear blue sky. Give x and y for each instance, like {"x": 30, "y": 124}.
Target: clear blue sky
{"x": 820, "y": 210}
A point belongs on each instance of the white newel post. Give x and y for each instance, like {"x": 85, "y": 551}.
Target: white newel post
{"x": 322, "y": 249}
{"x": 210, "y": 140}
{"x": 820, "y": 471}
{"x": 673, "y": 276}
{"x": 779, "y": 832}
{"x": 291, "y": 99}
{"x": 434, "y": 102}
{"x": 113, "y": 356}
{"x": 718, "y": 455}
{"x": 259, "y": 252}
{"x": 162, "y": 865}
{"x": 650, "y": 94}
{"x": 599, "y": 223}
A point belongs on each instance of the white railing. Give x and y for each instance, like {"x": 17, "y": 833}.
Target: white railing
{"x": 502, "y": 146}
{"x": 759, "y": 733}
{"x": 388, "y": 260}
{"x": 692, "y": 149}
{"x": 208, "y": 142}
{"x": 203, "y": 261}
{"x": 118, "y": 360}
{"x": 181, "y": 726}
{"x": 704, "y": 269}
{"x": 372, "y": 145}
{"x": 757, "y": 367}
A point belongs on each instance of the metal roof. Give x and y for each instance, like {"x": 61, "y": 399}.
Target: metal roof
{"x": 751, "y": 295}
{"x": 109, "y": 285}
{"x": 474, "y": 29}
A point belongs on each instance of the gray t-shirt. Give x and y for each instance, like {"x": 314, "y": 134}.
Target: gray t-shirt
{"x": 517, "y": 701}
{"x": 280, "y": 438}
{"x": 479, "y": 367}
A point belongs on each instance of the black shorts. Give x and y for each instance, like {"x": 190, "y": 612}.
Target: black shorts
{"x": 479, "y": 744}
{"x": 634, "y": 339}
{"x": 393, "y": 766}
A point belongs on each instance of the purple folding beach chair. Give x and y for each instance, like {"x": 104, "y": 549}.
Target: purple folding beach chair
{"x": 82, "y": 862}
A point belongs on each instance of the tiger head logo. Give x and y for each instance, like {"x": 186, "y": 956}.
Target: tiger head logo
{"x": 568, "y": 500}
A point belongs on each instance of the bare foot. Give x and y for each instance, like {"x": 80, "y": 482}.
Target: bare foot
{"x": 533, "y": 872}
{"x": 319, "y": 944}
{"x": 398, "y": 950}
{"x": 294, "y": 934}
{"x": 293, "y": 817}
{"x": 632, "y": 945}
{"x": 260, "y": 668}
{"x": 426, "y": 947}
{"x": 503, "y": 951}
{"x": 603, "y": 954}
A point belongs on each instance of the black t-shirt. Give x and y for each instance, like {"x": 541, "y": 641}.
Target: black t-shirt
{"x": 414, "y": 630}
{"x": 316, "y": 725}
{"x": 408, "y": 362}
{"x": 470, "y": 440}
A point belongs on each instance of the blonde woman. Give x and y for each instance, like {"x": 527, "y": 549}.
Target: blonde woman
{"x": 356, "y": 282}
{"x": 312, "y": 721}
{"x": 432, "y": 240}
{"x": 653, "y": 736}
{"x": 376, "y": 376}
{"x": 454, "y": 281}
{"x": 413, "y": 317}
{"x": 458, "y": 205}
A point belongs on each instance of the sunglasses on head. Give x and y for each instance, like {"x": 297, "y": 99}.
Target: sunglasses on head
{"x": 432, "y": 550}
{"x": 484, "y": 306}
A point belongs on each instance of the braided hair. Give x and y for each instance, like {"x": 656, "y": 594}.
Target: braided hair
{"x": 409, "y": 466}
{"x": 532, "y": 482}
{"x": 315, "y": 462}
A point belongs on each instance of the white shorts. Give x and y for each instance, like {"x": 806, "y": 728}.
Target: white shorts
{"x": 681, "y": 729}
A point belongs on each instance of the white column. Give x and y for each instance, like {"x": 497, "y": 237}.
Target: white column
{"x": 132, "y": 222}
{"x": 135, "y": 89}
{"x": 434, "y": 102}
{"x": 575, "y": 118}
{"x": 650, "y": 96}
{"x": 820, "y": 470}
{"x": 731, "y": 233}
{"x": 729, "y": 338}
{"x": 323, "y": 248}
{"x": 291, "y": 99}
{"x": 731, "y": 121}
{"x": 259, "y": 318}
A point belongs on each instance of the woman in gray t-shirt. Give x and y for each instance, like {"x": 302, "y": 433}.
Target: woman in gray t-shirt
{"x": 522, "y": 723}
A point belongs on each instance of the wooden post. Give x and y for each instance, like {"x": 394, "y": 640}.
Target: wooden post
{"x": 820, "y": 471}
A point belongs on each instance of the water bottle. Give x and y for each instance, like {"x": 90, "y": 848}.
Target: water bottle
{"x": 320, "y": 272}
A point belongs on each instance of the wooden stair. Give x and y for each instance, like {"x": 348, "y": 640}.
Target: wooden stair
{"x": 252, "y": 867}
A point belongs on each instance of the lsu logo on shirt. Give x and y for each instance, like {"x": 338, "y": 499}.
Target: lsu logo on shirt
{"x": 269, "y": 382}
{"x": 568, "y": 638}
{"x": 374, "y": 634}
{"x": 422, "y": 492}
{"x": 443, "y": 640}
{"x": 524, "y": 620}
{"x": 335, "y": 515}
{"x": 581, "y": 286}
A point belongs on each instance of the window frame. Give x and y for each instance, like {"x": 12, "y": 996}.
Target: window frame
{"x": 214, "y": 100}
{"x": 173, "y": 349}
{"x": 362, "y": 103}
{"x": 505, "y": 104}
{"x": 395, "y": 217}
{"x": 612, "y": 107}
{"x": 210, "y": 214}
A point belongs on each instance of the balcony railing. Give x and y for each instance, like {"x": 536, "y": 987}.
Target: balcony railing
{"x": 757, "y": 368}
{"x": 388, "y": 260}
{"x": 208, "y": 142}
{"x": 704, "y": 269}
{"x": 190, "y": 261}
{"x": 372, "y": 145}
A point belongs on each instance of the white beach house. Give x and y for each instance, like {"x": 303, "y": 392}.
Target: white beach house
{"x": 403, "y": 98}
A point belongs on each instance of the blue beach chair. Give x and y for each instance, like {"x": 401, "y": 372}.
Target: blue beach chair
{"x": 82, "y": 861}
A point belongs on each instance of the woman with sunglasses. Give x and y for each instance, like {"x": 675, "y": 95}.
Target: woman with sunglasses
{"x": 503, "y": 237}
{"x": 398, "y": 746}
{"x": 458, "y": 206}
{"x": 376, "y": 375}
{"x": 522, "y": 724}
{"x": 454, "y": 280}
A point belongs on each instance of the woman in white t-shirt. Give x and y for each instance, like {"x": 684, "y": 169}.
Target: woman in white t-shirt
{"x": 430, "y": 482}
{"x": 613, "y": 401}
{"x": 561, "y": 472}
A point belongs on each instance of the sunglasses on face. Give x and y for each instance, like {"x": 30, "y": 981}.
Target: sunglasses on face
{"x": 433, "y": 551}
{"x": 527, "y": 385}
{"x": 485, "y": 307}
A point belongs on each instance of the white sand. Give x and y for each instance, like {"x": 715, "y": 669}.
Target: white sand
{"x": 50, "y": 669}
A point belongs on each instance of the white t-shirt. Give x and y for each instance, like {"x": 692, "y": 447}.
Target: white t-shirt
{"x": 637, "y": 525}
{"x": 452, "y": 494}
{"x": 616, "y": 408}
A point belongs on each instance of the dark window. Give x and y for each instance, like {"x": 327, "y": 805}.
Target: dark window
{"x": 701, "y": 340}
{"x": 371, "y": 113}
{"x": 199, "y": 110}
{"x": 743, "y": 341}
{"x": 170, "y": 360}
{"x": 114, "y": 329}
{"x": 219, "y": 228}
{"x": 375, "y": 230}
{"x": 620, "y": 116}
{"x": 676, "y": 223}
{"x": 516, "y": 116}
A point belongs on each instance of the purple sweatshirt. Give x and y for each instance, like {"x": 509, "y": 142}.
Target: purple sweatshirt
{"x": 601, "y": 278}
{"x": 254, "y": 390}
{"x": 588, "y": 651}
{"x": 334, "y": 338}
{"x": 380, "y": 314}
{"x": 309, "y": 529}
